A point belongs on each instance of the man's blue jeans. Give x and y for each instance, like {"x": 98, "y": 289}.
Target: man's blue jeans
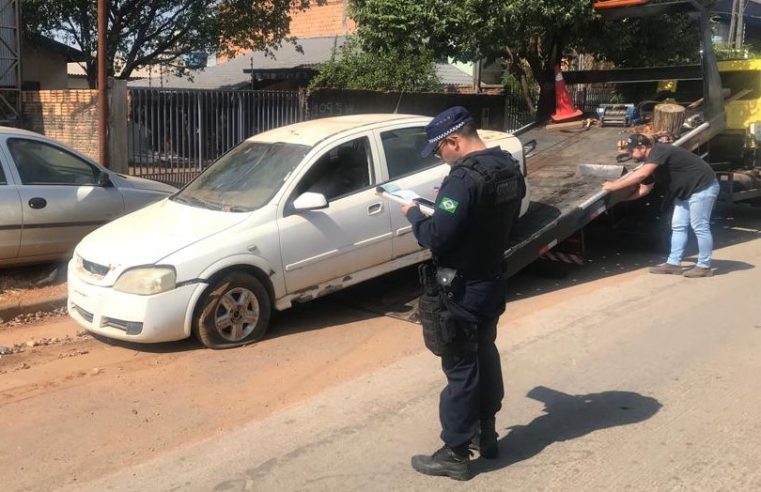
{"x": 695, "y": 212}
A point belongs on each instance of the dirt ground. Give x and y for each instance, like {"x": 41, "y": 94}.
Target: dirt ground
{"x": 32, "y": 282}
{"x": 85, "y": 397}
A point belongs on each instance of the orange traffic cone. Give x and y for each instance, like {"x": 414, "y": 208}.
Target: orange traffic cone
{"x": 564, "y": 108}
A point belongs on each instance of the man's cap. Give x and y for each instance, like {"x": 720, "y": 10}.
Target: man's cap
{"x": 444, "y": 124}
{"x": 637, "y": 139}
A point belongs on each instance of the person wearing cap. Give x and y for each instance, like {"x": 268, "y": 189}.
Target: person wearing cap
{"x": 470, "y": 239}
{"x": 694, "y": 188}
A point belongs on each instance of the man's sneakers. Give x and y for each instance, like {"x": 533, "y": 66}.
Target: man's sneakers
{"x": 485, "y": 439}
{"x": 666, "y": 268}
{"x": 446, "y": 462}
{"x": 697, "y": 272}
{"x": 669, "y": 269}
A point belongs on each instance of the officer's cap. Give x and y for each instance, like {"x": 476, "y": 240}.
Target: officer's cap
{"x": 443, "y": 125}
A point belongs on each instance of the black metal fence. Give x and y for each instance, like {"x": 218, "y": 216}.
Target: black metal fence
{"x": 517, "y": 112}
{"x": 589, "y": 98}
{"x": 174, "y": 134}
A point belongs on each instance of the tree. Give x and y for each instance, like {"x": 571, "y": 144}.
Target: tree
{"x": 168, "y": 33}
{"x": 531, "y": 35}
{"x": 352, "y": 68}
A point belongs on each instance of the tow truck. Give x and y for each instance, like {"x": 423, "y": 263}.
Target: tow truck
{"x": 566, "y": 196}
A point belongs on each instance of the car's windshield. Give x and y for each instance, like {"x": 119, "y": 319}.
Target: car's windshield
{"x": 245, "y": 178}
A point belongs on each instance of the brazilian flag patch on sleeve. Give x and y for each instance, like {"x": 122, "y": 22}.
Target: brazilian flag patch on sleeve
{"x": 448, "y": 205}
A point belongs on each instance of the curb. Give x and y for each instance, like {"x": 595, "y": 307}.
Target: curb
{"x": 9, "y": 310}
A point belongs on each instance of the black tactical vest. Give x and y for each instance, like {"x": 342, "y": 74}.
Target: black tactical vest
{"x": 498, "y": 200}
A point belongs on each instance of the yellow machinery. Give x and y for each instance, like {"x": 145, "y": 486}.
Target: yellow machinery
{"x": 737, "y": 75}
{"x": 739, "y": 145}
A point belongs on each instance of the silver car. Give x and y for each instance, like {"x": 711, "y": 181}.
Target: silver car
{"x": 52, "y": 196}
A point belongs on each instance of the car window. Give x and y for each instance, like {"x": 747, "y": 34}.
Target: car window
{"x": 340, "y": 171}
{"x": 245, "y": 178}
{"x": 41, "y": 163}
{"x": 402, "y": 148}
{"x": 2, "y": 177}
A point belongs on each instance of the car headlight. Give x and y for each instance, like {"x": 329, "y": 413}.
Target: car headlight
{"x": 146, "y": 281}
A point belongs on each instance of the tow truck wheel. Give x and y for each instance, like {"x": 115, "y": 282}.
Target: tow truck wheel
{"x": 234, "y": 311}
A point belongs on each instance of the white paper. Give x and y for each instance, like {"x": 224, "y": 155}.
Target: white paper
{"x": 396, "y": 194}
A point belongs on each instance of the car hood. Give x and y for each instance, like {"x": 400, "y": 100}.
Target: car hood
{"x": 122, "y": 181}
{"x": 146, "y": 236}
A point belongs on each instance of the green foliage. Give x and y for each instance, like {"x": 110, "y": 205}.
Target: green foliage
{"x": 352, "y": 68}
{"x": 162, "y": 32}
{"x": 531, "y": 35}
{"x": 511, "y": 83}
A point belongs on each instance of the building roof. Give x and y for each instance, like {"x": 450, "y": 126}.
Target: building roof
{"x": 71, "y": 54}
{"x": 236, "y": 73}
{"x": 451, "y": 75}
{"x": 75, "y": 69}
{"x": 231, "y": 75}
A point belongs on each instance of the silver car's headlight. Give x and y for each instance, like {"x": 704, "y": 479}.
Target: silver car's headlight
{"x": 146, "y": 281}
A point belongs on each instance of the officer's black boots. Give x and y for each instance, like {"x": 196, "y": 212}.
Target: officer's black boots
{"x": 485, "y": 439}
{"x": 446, "y": 462}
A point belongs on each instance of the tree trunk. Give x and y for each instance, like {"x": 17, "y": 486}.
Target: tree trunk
{"x": 668, "y": 118}
{"x": 546, "y": 104}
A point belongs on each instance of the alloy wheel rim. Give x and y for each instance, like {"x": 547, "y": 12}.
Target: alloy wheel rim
{"x": 237, "y": 314}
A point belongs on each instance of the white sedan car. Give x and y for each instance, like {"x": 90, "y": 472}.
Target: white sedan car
{"x": 51, "y": 197}
{"x": 286, "y": 216}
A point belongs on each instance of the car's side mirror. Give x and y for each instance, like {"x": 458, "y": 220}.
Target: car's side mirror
{"x": 104, "y": 180}
{"x": 310, "y": 201}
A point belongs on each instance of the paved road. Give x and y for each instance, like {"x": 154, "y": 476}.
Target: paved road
{"x": 619, "y": 381}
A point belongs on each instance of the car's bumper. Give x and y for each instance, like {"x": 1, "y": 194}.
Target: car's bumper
{"x": 144, "y": 319}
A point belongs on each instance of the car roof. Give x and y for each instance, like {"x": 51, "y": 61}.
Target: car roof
{"x": 9, "y": 130}
{"x": 313, "y": 131}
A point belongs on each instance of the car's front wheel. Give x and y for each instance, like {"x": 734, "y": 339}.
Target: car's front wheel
{"x": 234, "y": 311}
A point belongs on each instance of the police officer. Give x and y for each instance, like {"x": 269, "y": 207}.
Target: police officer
{"x": 467, "y": 234}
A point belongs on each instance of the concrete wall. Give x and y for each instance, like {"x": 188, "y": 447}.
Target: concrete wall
{"x": 71, "y": 117}
{"x": 488, "y": 110}
{"x": 44, "y": 67}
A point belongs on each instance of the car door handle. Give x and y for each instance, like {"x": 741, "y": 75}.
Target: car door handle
{"x": 37, "y": 203}
{"x": 374, "y": 209}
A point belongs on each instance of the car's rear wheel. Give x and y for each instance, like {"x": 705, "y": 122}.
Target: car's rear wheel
{"x": 234, "y": 311}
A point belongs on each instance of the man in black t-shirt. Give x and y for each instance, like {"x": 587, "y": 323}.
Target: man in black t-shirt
{"x": 694, "y": 188}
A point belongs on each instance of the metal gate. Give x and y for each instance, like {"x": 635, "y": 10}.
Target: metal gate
{"x": 174, "y": 134}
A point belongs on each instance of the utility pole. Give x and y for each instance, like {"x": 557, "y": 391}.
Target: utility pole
{"x": 102, "y": 86}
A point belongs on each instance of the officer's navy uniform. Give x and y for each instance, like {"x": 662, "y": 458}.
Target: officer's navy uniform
{"x": 465, "y": 236}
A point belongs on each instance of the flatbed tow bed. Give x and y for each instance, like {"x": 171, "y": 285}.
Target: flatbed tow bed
{"x": 564, "y": 200}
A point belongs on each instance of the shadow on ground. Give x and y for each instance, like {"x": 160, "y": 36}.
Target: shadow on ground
{"x": 568, "y": 417}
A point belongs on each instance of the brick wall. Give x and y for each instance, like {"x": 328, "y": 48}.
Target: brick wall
{"x": 316, "y": 22}
{"x": 326, "y": 20}
{"x": 69, "y": 116}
